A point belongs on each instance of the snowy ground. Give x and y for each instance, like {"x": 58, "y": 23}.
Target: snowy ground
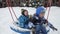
{"x": 6, "y": 20}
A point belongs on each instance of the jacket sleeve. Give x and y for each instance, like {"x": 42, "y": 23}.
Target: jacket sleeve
{"x": 50, "y": 25}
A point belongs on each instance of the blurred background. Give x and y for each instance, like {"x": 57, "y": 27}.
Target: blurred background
{"x": 30, "y": 3}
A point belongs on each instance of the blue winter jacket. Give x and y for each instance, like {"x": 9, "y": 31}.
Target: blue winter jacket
{"x": 23, "y": 21}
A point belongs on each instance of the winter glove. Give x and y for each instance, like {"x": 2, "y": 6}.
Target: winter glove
{"x": 44, "y": 21}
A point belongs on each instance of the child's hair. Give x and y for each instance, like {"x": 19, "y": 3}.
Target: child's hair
{"x": 23, "y": 10}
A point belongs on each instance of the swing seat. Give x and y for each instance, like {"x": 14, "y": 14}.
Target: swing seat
{"x": 18, "y": 29}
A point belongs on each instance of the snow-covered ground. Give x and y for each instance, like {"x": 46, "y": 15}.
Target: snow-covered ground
{"x": 6, "y": 20}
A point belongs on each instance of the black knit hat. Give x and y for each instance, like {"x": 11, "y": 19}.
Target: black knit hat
{"x": 23, "y": 10}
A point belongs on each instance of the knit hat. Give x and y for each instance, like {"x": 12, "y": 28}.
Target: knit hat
{"x": 40, "y": 10}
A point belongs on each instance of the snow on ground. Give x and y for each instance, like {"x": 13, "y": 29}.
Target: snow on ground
{"x": 6, "y": 20}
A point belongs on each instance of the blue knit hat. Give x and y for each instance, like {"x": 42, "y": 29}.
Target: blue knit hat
{"x": 40, "y": 10}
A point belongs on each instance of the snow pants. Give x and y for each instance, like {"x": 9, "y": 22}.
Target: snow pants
{"x": 40, "y": 28}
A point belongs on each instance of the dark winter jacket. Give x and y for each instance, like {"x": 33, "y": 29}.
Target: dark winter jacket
{"x": 38, "y": 20}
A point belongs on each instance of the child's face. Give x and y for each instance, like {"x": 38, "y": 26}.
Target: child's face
{"x": 26, "y": 13}
{"x": 41, "y": 15}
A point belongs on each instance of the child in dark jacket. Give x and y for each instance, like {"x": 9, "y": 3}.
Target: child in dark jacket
{"x": 38, "y": 20}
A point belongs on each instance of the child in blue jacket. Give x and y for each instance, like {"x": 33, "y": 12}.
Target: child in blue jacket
{"x": 24, "y": 19}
